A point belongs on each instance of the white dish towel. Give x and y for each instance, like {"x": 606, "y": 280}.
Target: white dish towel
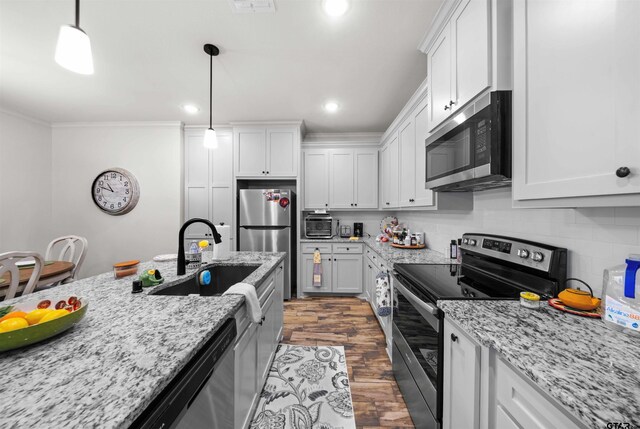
{"x": 251, "y": 298}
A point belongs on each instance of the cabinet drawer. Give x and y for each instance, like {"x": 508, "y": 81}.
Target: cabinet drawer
{"x": 312, "y": 247}
{"x": 347, "y": 248}
{"x": 528, "y": 407}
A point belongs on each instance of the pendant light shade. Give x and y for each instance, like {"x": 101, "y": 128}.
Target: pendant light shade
{"x": 210, "y": 136}
{"x": 73, "y": 50}
{"x": 210, "y": 139}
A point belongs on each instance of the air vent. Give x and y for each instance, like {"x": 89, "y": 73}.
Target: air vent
{"x": 252, "y": 6}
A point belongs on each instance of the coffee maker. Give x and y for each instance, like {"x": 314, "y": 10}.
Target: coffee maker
{"x": 358, "y": 229}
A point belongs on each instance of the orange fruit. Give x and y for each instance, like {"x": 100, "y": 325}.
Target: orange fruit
{"x": 53, "y": 315}
{"x": 12, "y": 315}
{"x": 13, "y": 324}
{"x": 34, "y": 316}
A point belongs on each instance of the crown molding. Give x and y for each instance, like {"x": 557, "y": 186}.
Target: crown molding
{"x": 438, "y": 24}
{"x": 297, "y": 123}
{"x": 418, "y": 96}
{"x": 150, "y": 124}
{"x": 25, "y": 117}
{"x": 342, "y": 139}
{"x": 206, "y": 126}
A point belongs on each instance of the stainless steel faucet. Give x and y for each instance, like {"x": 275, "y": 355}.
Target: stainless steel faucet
{"x": 217, "y": 239}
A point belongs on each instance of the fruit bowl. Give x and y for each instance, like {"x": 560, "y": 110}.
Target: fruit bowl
{"x": 45, "y": 318}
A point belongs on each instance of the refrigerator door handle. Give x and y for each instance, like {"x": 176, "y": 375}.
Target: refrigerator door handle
{"x": 265, "y": 227}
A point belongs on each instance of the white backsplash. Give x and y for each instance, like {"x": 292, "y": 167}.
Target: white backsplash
{"x": 597, "y": 238}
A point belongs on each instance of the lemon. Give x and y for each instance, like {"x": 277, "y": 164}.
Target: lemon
{"x": 13, "y": 324}
{"x": 13, "y": 314}
{"x": 34, "y": 316}
{"x": 54, "y": 314}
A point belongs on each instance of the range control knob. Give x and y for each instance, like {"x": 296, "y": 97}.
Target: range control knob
{"x": 523, "y": 253}
{"x": 472, "y": 242}
{"x": 465, "y": 241}
{"x": 537, "y": 256}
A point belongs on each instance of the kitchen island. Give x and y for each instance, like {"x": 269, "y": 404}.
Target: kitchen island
{"x": 105, "y": 371}
{"x": 588, "y": 371}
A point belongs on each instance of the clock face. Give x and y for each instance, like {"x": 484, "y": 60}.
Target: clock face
{"x": 115, "y": 191}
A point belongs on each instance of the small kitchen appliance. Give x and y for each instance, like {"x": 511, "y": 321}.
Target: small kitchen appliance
{"x": 358, "y": 229}
{"x": 493, "y": 267}
{"x": 345, "y": 231}
{"x": 319, "y": 225}
{"x": 472, "y": 151}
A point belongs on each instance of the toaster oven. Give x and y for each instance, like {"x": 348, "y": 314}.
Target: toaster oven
{"x": 319, "y": 226}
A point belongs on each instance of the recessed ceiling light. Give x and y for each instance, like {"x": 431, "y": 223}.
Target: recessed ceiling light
{"x": 190, "y": 109}
{"x": 331, "y": 107}
{"x": 335, "y": 8}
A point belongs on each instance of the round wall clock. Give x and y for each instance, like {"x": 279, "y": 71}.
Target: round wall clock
{"x": 115, "y": 191}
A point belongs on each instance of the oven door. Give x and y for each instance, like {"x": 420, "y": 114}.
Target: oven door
{"x": 417, "y": 337}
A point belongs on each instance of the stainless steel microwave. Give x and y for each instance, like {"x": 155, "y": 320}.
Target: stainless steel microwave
{"x": 472, "y": 151}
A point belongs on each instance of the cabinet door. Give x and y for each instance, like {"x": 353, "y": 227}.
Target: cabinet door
{"x": 266, "y": 340}
{"x": 245, "y": 375}
{"x": 393, "y": 173}
{"x": 568, "y": 141}
{"x": 439, "y": 59}
{"x": 221, "y": 177}
{"x": 461, "y": 380}
{"x": 347, "y": 273}
{"x": 251, "y": 153}
{"x": 366, "y": 178}
{"x": 407, "y": 164}
{"x": 341, "y": 176}
{"x": 423, "y": 197}
{"x": 282, "y": 153}
{"x": 384, "y": 179}
{"x": 307, "y": 274}
{"x": 316, "y": 179}
{"x": 278, "y": 302}
{"x": 470, "y": 49}
{"x": 197, "y": 203}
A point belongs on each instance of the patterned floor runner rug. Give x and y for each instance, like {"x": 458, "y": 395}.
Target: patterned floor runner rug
{"x": 307, "y": 388}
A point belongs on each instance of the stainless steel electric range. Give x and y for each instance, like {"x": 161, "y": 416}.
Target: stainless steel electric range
{"x": 493, "y": 267}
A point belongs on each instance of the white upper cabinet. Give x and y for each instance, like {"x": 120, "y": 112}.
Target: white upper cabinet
{"x": 439, "y": 61}
{"x": 266, "y": 152}
{"x": 576, "y": 103}
{"x": 365, "y": 162}
{"x": 282, "y": 153}
{"x": 459, "y": 54}
{"x": 470, "y": 38}
{"x": 316, "y": 178}
{"x": 407, "y": 137}
{"x": 344, "y": 178}
{"x": 390, "y": 173}
{"x": 341, "y": 176}
{"x": 423, "y": 196}
{"x": 208, "y": 181}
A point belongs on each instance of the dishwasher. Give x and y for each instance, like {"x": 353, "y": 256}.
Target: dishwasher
{"x": 201, "y": 395}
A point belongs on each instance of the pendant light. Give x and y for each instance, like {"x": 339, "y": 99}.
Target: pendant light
{"x": 73, "y": 50}
{"x": 210, "y": 137}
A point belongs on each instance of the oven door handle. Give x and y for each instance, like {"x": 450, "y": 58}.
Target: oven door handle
{"x": 426, "y": 306}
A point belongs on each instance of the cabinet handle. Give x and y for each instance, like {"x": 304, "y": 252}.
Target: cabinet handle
{"x": 262, "y": 321}
{"x": 446, "y": 107}
{"x": 326, "y": 204}
{"x": 263, "y": 172}
{"x": 351, "y": 204}
{"x": 356, "y": 204}
{"x": 454, "y": 337}
{"x": 347, "y": 249}
{"x": 387, "y": 203}
{"x": 451, "y": 103}
{"x": 267, "y": 172}
{"x": 623, "y": 172}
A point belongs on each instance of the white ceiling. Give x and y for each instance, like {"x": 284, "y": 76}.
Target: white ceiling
{"x": 149, "y": 60}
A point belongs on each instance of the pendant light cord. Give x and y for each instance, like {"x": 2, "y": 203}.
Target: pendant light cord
{"x": 77, "y": 13}
{"x": 210, "y": 91}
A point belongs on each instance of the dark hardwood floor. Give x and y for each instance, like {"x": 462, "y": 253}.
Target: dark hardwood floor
{"x": 350, "y": 322}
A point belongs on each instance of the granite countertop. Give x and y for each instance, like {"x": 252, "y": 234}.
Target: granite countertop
{"x": 107, "y": 369}
{"x": 590, "y": 369}
{"x": 393, "y": 255}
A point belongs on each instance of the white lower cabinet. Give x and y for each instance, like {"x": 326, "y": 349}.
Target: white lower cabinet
{"x": 461, "y": 380}
{"x": 255, "y": 348}
{"x": 482, "y": 391}
{"x": 342, "y": 268}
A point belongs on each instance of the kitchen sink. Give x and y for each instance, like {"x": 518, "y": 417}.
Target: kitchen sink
{"x": 222, "y": 278}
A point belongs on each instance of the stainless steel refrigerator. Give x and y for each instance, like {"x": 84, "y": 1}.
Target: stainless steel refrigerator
{"x": 266, "y": 224}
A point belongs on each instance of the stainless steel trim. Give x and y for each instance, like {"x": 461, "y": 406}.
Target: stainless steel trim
{"x": 468, "y": 111}
{"x": 424, "y": 384}
{"x": 417, "y": 406}
{"x": 426, "y": 310}
{"x": 451, "y": 178}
